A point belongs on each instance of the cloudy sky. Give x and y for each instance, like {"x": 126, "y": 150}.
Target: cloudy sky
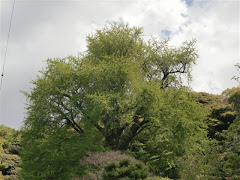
{"x": 44, "y": 29}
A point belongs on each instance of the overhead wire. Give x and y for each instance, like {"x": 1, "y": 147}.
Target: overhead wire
{"x": 5, "y": 55}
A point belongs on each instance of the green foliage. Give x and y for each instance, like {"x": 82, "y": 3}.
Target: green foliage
{"x": 231, "y": 165}
{"x": 11, "y": 177}
{"x": 176, "y": 129}
{"x": 118, "y": 40}
{"x": 158, "y": 178}
{"x": 95, "y": 162}
{"x": 9, "y": 150}
{"x": 1, "y": 146}
{"x": 231, "y": 150}
{"x": 203, "y": 164}
{"x": 123, "y": 91}
{"x": 165, "y": 62}
{"x": 6, "y": 132}
{"x": 220, "y": 119}
{"x": 56, "y": 156}
{"x": 3, "y": 166}
{"x": 228, "y": 162}
{"x": 14, "y": 149}
{"x": 220, "y": 159}
{"x": 9, "y": 167}
{"x": 125, "y": 169}
{"x": 11, "y": 140}
{"x": 229, "y": 92}
{"x": 220, "y": 113}
{"x": 235, "y": 99}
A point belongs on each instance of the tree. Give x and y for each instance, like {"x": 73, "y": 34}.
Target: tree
{"x": 231, "y": 141}
{"x": 56, "y": 156}
{"x": 220, "y": 113}
{"x": 115, "y": 92}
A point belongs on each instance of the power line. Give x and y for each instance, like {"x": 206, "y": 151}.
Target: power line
{"x": 5, "y": 55}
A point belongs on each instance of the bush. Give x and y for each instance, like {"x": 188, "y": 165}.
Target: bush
{"x": 3, "y": 166}
{"x": 125, "y": 169}
{"x": 231, "y": 165}
{"x": 11, "y": 177}
{"x": 9, "y": 164}
{"x": 96, "y": 161}
{"x": 158, "y": 178}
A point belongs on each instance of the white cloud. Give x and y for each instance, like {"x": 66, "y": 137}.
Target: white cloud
{"x": 215, "y": 25}
{"x": 155, "y": 15}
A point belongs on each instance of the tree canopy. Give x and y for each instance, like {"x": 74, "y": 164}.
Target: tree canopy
{"x": 122, "y": 93}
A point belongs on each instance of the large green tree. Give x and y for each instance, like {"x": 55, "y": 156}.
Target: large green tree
{"x": 118, "y": 91}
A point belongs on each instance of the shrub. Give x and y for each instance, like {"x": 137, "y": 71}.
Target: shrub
{"x": 3, "y": 166}
{"x": 158, "y": 178}
{"x": 125, "y": 169}
{"x": 11, "y": 177}
{"x": 9, "y": 164}
{"x": 96, "y": 161}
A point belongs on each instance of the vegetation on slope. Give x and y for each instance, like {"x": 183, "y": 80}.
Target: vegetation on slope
{"x": 9, "y": 153}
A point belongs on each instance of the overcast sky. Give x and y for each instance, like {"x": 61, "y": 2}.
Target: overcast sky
{"x": 43, "y": 29}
